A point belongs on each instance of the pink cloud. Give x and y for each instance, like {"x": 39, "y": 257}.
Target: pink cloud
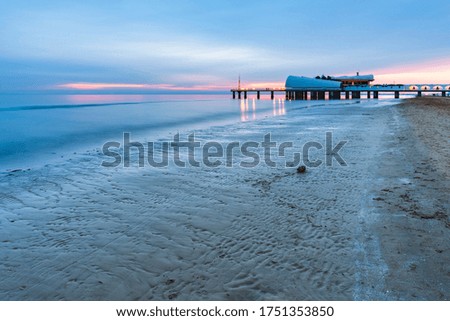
{"x": 103, "y": 86}
{"x": 432, "y": 71}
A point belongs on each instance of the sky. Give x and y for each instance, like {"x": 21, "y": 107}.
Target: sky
{"x": 158, "y": 46}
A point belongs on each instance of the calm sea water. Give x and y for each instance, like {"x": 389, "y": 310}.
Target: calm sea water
{"x": 37, "y": 128}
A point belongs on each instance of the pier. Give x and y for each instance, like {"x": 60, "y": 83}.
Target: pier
{"x": 349, "y": 92}
{"x": 340, "y": 87}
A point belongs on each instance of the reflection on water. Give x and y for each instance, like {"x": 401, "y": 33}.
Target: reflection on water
{"x": 247, "y": 114}
{"x": 244, "y": 109}
{"x": 254, "y": 109}
{"x": 278, "y": 107}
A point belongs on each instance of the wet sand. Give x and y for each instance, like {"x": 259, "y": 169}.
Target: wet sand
{"x": 375, "y": 229}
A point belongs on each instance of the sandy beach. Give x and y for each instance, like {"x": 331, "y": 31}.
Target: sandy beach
{"x": 376, "y": 229}
{"x": 411, "y": 196}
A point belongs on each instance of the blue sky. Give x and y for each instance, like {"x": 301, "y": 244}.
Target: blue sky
{"x": 165, "y": 45}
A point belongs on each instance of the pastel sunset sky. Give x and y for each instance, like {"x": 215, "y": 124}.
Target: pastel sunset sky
{"x": 141, "y": 46}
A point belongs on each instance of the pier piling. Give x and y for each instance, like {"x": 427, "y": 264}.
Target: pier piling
{"x": 334, "y": 95}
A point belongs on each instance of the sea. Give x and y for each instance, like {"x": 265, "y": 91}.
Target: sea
{"x": 44, "y": 128}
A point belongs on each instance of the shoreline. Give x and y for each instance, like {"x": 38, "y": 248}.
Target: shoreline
{"x": 80, "y": 232}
